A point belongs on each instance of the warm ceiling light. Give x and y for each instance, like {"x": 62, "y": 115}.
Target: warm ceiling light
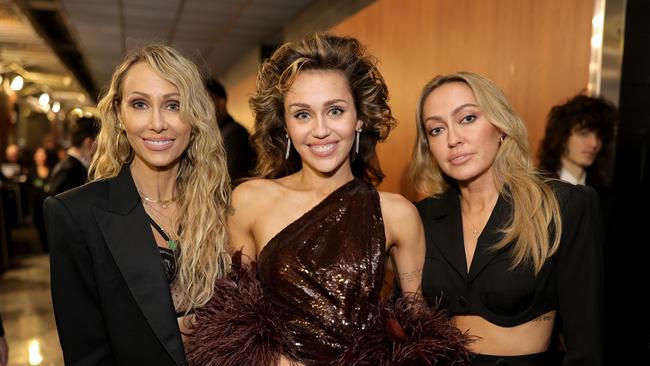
{"x": 56, "y": 107}
{"x": 44, "y": 99}
{"x": 77, "y": 112}
{"x": 17, "y": 83}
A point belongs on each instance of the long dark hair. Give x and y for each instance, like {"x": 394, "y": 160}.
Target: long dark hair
{"x": 592, "y": 113}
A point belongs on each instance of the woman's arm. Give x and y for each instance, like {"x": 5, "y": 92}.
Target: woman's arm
{"x": 78, "y": 314}
{"x": 405, "y": 239}
{"x": 240, "y": 221}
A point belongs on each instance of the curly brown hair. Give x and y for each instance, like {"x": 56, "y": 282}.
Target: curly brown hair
{"x": 319, "y": 51}
{"x": 591, "y": 113}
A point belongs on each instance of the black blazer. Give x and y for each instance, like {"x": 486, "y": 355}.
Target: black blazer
{"x": 67, "y": 174}
{"x": 111, "y": 300}
{"x": 571, "y": 281}
{"x": 239, "y": 153}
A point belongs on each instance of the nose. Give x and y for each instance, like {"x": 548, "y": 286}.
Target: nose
{"x": 320, "y": 130}
{"x": 157, "y": 121}
{"x": 593, "y": 140}
{"x": 454, "y": 137}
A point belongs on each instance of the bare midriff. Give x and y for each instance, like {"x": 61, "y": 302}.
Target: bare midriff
{"x": 528, "y": 338}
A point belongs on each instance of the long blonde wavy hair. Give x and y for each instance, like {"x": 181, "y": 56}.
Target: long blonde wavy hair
{"x": 202, "y": 182}
{"x": 535, "y": 224}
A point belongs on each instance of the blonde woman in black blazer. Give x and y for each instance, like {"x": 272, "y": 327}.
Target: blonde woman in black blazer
{"x": 137, "y": 248}
{"x": 512, "y": 257}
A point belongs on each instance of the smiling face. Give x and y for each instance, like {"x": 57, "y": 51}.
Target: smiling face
{"x": 462, "y": 141}
{"x": 150, "y": 112}
{"x": 321, "y": 120}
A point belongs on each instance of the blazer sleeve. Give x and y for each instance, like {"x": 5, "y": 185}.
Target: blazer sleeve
{"x": 75, "y": 297}
{"x": 240, "y": 155}
{"x": 580, "y": 278}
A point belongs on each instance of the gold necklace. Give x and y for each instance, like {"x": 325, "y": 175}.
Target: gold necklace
{"x": 475, "y": 230}
{"x": 171, "y": 241}
{"x": 153, "y": 201}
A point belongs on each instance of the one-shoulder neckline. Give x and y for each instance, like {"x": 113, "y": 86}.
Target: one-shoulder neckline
{"x": 308, "y": 213}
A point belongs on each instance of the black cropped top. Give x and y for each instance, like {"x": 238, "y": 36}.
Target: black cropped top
{"x": 571, "y": 281}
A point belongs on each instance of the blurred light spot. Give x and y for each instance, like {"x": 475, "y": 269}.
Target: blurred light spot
{"x": 17, "y": 83}
{"x": 34, "y": 350}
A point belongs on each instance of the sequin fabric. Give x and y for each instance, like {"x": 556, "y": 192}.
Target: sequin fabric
{"x": 326, "y": 270}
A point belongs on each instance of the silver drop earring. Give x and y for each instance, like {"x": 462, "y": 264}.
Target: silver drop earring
{"x": 356, "y": 141}
{"x": 286, "y": 155}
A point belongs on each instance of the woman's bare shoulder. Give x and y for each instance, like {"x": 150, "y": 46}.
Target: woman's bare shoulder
{"x": 395, "y": 202}
{"x": 397, "y": 210}
{"x": 256, "y": 194}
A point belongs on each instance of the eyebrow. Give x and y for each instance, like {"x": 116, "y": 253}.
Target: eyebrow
{"x": 327, "y": 103}
{"x": 174, "y": 94}
{"x": 455, "y": 111}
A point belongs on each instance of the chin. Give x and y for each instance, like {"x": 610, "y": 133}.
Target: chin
{"x": 162, "y": 164}
{"x": 463, "y": 175}
{"x": 327, "y": 169}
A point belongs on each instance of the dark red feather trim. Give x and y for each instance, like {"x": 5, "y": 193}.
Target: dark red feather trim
{"x": 407, "y": 333}
{"x": 238, "y": 326}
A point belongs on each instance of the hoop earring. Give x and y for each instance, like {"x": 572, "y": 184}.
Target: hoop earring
{"x": 356, "y": 141}
{"x": 286, "y": 155}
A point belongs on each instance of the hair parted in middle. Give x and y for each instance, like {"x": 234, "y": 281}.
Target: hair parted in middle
{"x": 515, "y": 177}
{"x": 319, "y": 51}
{"x": 202, "y": 182}
{"x": 580, "y": 112}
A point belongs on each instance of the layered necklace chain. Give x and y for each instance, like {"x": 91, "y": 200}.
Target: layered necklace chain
{"x": 154, "y": 208}
{"x": 171, "y": 234}
{"x": 152, "y": 201}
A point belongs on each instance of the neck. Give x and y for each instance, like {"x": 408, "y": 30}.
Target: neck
{"x": 478, "y": 196}
{"x": 322, "y": 183}
{"x": 572, "y": 168}
{"x": 153, "y": 183}
{"x": 78, "y": 153}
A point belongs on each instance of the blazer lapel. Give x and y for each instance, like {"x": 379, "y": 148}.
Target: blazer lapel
{"x": 446, "y": 231}
{"x": 130, "y": 240}
{"x": 491, "y": 235}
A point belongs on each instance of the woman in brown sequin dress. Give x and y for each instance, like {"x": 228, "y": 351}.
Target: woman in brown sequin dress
{"x": 314, "y": 233}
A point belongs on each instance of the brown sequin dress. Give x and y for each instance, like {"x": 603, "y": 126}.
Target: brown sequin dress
{"x": 314, "y": 297}
{"x": 327, "y": 270}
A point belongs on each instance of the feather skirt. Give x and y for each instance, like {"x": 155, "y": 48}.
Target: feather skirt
{"x": 239, "y": 326}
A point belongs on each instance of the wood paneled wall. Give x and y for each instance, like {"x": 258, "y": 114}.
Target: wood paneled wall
{"x": 537, "y": 51}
